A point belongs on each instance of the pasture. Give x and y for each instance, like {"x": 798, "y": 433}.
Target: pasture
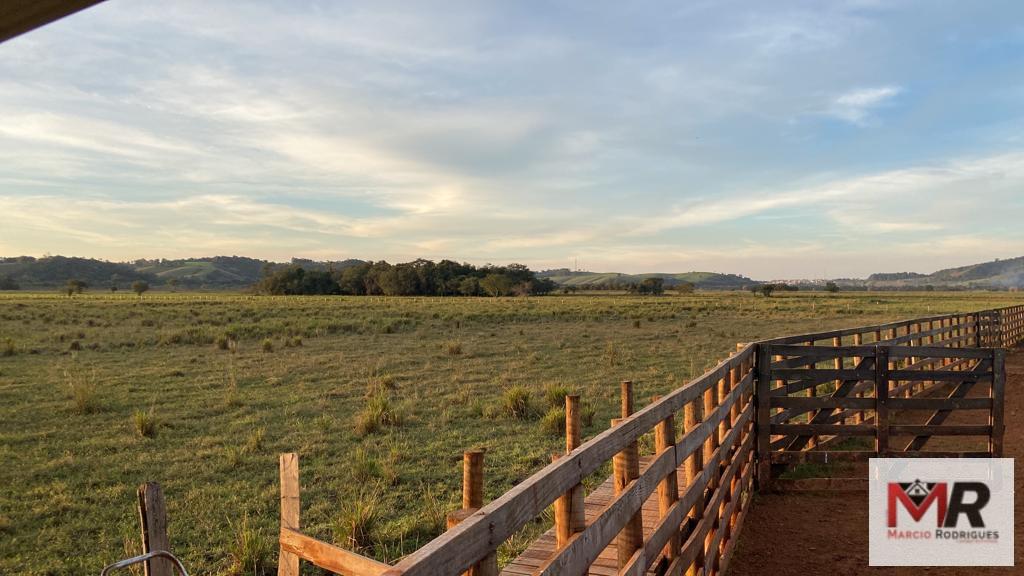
{"x": 379, "y": 396}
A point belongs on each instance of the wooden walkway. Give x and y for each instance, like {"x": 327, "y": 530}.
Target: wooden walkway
{"x": 606, "y": 564}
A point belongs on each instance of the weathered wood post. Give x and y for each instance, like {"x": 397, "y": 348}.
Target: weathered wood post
{"x": 668, "y": 488}
{"x": 627, "y": 398}
{"x": 710, "y": 403}
{"x": 153, "y": 521}
{"x": 881, "y": 400}
{"x": 997, "y": 392}
{"x": 287, "y": 562}
{"x": 812, "y": 391}
{"x": 692, "y": 468}
{"x": 837, "y": 363}
{"x": 473, "y": 500}
{"x": 626, "y": 468}
{"x": 570, "y": 512}
{"x": 763, "y": 420}
{"x": 858, "y": 340}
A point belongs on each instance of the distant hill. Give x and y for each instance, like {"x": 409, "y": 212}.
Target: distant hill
{"x": 891, "y": 276}
{"x": 28, "y": 272}
{"x": 702, "y": 280}
{"x": 997, "y": 274}
{"x": 217, "y": 272}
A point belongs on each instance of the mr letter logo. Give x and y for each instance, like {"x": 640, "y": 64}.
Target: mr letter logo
{"x": 916, "y": 497}
{"x": 952, "y": 513}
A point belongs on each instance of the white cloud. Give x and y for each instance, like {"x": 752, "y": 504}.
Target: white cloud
{"x": 856, "y": 106}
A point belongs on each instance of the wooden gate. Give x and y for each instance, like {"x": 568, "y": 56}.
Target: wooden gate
{"x": 819, "y": 396}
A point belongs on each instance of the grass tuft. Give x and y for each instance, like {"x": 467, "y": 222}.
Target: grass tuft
{"x": 453, "y": 347}
{"x": 553, "y": 422}
{"x": 356, "y": 526}
{"x": 554, "y": 395}
{"x": 380, "y": 411}
{"x": 251, "y": 551}
{"x": 517, "y": 403}
{"x": 84, "y": 398}
{"x": 144, "y": 423}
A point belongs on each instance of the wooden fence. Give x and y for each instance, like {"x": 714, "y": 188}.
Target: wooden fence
{"x": 680, "y": 509}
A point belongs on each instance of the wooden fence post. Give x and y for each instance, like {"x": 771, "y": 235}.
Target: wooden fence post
{"x": 763, "y": 420}
{"x": 627, "y": 398}
{"x": 570, "y": 511}
{"x": 997, "y": 392}
{"x": 837, "y": 341}
{"x": 881, "y": 400}
{"x": 473, "y": 500}
{"x": 668, "y": 489}
{"x": 287, "y": 562}
{"x": 858, "y": 340}
{"x": 626, "y": 467}
{"x": 812, "y": 391}
{"x": 153, "y": 519}
{"x": 693, "y": 467}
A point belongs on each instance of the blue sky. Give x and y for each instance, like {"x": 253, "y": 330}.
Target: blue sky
{"x": 773, "y": 139}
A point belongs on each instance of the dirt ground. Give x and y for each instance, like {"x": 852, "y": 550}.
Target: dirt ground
{"x": 826, "y": 534}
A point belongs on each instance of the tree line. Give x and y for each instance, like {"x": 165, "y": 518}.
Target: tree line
{"x": 417, "y": 278}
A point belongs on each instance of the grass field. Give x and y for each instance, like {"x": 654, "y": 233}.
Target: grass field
{"x": 379, "y": 396}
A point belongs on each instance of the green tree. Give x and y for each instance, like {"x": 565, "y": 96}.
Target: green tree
{"x": 75, "y": 286}
{"x": 496, "y": 284}
{"x": 767, "y": 289}
{"x": 831, "y": 287}
{"x": 140, "y": 286}
{"x": 654, "y": 286}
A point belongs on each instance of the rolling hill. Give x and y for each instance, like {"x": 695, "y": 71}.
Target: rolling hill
{"x": 211, "y": 273}
{"x": 702, "y": 280}
{"x": 997, "y": 274}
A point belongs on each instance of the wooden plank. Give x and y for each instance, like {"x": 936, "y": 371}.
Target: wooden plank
{"x": 822, "y": 352}
{"x": 761, "y": 398}
{"x": 819, "y": 402}
{"x": 288, "y": 562}
{"x": 937, "y": 352}
{"x": 834, "y": 429}
{"x": 998, "y": 402}
{"x": 823, "y": 374}
{"x": 939, "y": 375}
{"x": 20, "y": 16}
{"x": 153, "y": 520}
{"x": 822, "y": 456}
{"x": 926, "y": 430}
{"x": 881, "y": 399}
{"x": 940, "y": 403}
{"x": 329, "y": 556}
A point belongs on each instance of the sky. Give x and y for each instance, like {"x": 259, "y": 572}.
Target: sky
{"x": 770, "y": 139}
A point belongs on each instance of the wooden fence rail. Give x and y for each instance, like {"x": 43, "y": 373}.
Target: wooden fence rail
{"x": 776, "y": 402}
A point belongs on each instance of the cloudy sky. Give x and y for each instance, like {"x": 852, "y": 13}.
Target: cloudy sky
{"x": 773, "y": 139}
